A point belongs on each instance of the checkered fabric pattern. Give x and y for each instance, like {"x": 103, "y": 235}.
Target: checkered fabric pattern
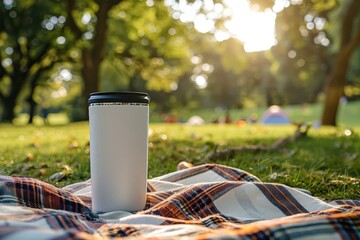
{"x": 203, "y": 202}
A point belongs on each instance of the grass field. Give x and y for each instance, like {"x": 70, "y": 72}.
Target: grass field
{"x": 348, "y": 116}
{"x": 327, "y": 162}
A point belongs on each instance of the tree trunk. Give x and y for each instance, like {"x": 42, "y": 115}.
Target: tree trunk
{"x": 90, "y": 73}
{"x": 336, "y": 81}
{"x": 32, "y": 107}
{"x": 32, "y": 104}
{"x": 93, "y": 57}
{"x": 269, "y": 90}
{"x": 334, "y": 88}
{"x": 268, "y": 82}
{"x": 9, "y": 104}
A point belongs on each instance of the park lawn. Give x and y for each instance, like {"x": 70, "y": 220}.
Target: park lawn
{"x": 348, "y": 114}
{"x": 327, "y": 162}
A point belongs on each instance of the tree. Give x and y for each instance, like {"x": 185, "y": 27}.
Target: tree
{"x": 88, "y": 21}
{"x": 334, "y": 73}
{"x": 273, "y": 74}
{"x": 350, "y": 39}
{"x": 31, "y": 43}
{"x": 36, "y": 28}
{"x": 314, "y": 12}
{"x": 148, "y": 46}
{"x": 136, "y": 41}
{"x": 300, "y": 60}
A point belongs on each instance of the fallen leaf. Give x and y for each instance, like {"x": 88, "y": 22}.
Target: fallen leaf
{"x": 29, "y": 157}
{"x": 67, "y": 168}
{"x": 42, "y": 172}
{"x": 74, "y": 144}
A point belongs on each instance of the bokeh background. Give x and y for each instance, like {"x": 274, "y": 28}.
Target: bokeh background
{"x": 212, "y": 58}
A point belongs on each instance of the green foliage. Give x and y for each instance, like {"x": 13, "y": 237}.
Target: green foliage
{"x": 303, "y": 65}
{"x": 148, "y": 47}
{"x": 33, "y": 42}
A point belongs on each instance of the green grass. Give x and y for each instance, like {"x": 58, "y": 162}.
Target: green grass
{"x": 348, "y": 115}
{"x": 327, "y": 162}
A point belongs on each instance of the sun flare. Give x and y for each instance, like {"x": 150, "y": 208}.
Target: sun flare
{"x": 255, "y": 29}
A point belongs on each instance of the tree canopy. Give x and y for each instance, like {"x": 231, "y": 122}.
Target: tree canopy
{"x": 185, "y": 53}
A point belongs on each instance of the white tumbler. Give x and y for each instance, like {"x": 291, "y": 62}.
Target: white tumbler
{"x": 119, "y": 124}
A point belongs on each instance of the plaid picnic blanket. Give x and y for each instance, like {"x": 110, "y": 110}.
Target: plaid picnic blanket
{"x": 202, "y": 202}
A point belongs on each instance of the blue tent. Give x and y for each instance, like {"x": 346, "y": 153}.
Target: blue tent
{"x": 275, "y": 116}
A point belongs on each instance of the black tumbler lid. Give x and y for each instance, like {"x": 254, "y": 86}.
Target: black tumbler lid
{"x": 127, "y": 97}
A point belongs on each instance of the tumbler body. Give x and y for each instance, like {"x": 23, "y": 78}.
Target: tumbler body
{"x": 118, "y": 150}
